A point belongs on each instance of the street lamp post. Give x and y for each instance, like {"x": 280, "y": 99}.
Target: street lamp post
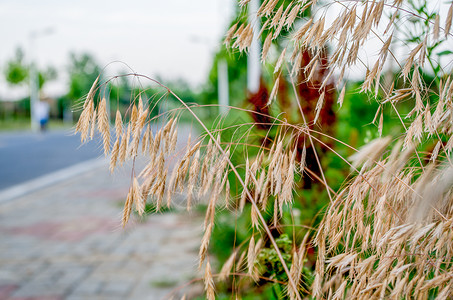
{"x": 34, "y": 78}
{"x": 222, "y": 76}
{"x": 223, "y": 86}
{"x": 253, "y": 59}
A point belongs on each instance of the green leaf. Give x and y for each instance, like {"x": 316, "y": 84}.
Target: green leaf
{"x": 445, "y": 52}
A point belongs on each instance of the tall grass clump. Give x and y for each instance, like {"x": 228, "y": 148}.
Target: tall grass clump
{"x": 387, "y": 230}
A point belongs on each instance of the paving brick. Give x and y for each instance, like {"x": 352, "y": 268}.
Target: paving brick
{"x": 87, "y": 288}
{"x": 117, "y": 288}
{"x": 39, "y": 289}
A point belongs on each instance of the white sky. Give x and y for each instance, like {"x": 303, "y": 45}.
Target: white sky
{"x": 171, "y": 38}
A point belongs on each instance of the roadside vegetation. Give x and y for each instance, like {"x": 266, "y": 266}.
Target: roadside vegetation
{"x": 320, "y": 185}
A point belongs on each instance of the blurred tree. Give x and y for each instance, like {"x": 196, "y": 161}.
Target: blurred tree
{"x": 83, "y": 70}
{"x": 16, "y": 71}
{"x": 47, "y": 75}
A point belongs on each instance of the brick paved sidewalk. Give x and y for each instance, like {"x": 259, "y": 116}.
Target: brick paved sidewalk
{"x": 66, "y": 242}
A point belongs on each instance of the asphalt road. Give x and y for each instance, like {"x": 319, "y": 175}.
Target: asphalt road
{"x": 26, "y": 155}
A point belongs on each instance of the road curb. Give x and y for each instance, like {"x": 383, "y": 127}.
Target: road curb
{"x": 27, "y": 187}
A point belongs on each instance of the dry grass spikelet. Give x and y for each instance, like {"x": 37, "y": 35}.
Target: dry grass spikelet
{"x": 339, "y": 293}
{"x": 140, "y": 105}
{"x": 385, "y": 48}
{"x": 227, "y": 194}
{"x": 174, "y": 140}
{"x": 204, "y": 244}
{"x": 445, "y": 292}
{"x": 449, "y": 145}
{"x": 302, "y": 162}
{"x": 193, "y": 176}
{"x": 91, "y": 93}
{"x": 134, "y": 117}
{"x": 115, "y": 154}
{"x": 118, "y": 124}
{"x": 240, "y": 264}
{"x": 377, "y": 13}
{"x": 251, "y": 258}
{"x": 137, "y": 132}
{"x": 417, "y": 128}
{"x": 205, "y": 166}
{"x": 157, "y": 142}
{"x": 314, "y": 34}
{"x": 263, "y": 28}
{"x": 215, "y": 195}
{"x": 160, "y": 190}
{"x": 243, "y": 198}
{"x": 237, "y": 34}
{"x": 181, "y": 172}
{"x": 281, "y": 23}
{"x": 313, "y": 66}
{"x": 268, "y": 8}
{"x": 319, "y": 106}
{"x": 209, "y": 283}
{"x": 277, "y": 17}
{"x": 139, "y": 200}
{"x": 167, "y": 133}
{"x": 243, "y": 3}
{"x": 433, "y": 188}
{"x": 436, "y": 29}
{"x": 83, "y": 124}
{"x": 227, "y": 266}
{"x": 103, "y": 125}
{"x": 171, "y": 187}
{"x": 448, "y": 20}
{"x": 264, "y": 192}
{"x": 127, "y": 139}
{"x": 150, "y": 142}
{"x": 128, "y": 206}
{"x": 341, "y": 97}
{"x": 123, "y": 149}
{"x": 254, "y": 217}
{"x": 93, "y": 123}
{"x": 368, "y": 154}
{"x": 262, "y": 7}
{"x": 371, "y": 76}
{"x": 145, "y": 139}
{"x": 287, "y": 189}
{"x": 141, "y": 121}
{"x": 244, "y": 37}
{"x": 274, "y": 91}
{"x": 353, "y": 53}
{"x": 300, "y": 33}
{"x": 280, "y": 60}
{"x": 229, "y": 35}
{"x": 435, "y": 152}
{"x": 260, "y": 183}
{"x": 147, "y": 185}
{"x": 410, "y": 60}
{"x": 292, "y": 16}
{"x": 266, "y": 46}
